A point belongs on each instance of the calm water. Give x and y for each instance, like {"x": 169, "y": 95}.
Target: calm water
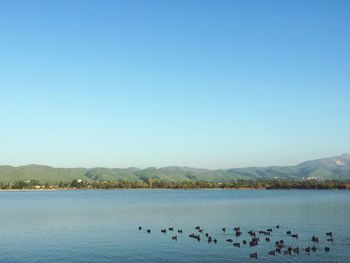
{"x": 102, "y": 226}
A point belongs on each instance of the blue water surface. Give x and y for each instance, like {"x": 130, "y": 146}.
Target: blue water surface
{"x": 102, "y": 226}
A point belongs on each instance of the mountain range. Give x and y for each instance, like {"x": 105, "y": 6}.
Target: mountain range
{"x": 337, "y": 167}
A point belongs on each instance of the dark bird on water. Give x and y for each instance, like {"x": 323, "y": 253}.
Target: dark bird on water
{"x": 171, "y": 229}
{"x": 289, "y": 232}
{"x": 148, "y": 231}
{"x": 272, "y": 253}
{"x": 179, "y": 231}
{"x": 330, "y": 239}
{"x": 296, "y": 250}
{"x": 163, "y": 230}
{"x": 253, "y": 244}
{"x": 278, "y": 226}
{"x": 140, "y": 228}
{"x": 251, "y": 233}
{"x": 329, "y": 234}
{"x": 229, "y": 240}
{"x": 267, "y": 239}
{"x": 237, "y": 244}
{"x": 254, "y": 255}
{"x": 174, "y": 238}
{"x": 224, "y": 229}
{"x": 326, "y": 249}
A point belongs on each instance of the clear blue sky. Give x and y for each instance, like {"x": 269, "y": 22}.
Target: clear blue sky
{"x": 212, "y": 84}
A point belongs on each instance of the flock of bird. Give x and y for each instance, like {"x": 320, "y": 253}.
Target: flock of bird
{"x": 254, "y": 238}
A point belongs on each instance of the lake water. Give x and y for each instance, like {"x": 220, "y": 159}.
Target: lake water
{"x": 102, "y": 226}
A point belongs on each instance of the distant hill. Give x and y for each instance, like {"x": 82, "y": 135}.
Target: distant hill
{"x": 337, "y": 167}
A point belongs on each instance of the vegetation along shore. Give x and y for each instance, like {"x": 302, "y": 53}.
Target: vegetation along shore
{"x": 158, "y": 184}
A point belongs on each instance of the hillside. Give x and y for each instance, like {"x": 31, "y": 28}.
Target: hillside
{"x": 337, "y": 167}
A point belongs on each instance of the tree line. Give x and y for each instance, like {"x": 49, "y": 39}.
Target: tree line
{"x": 150, "y": 183}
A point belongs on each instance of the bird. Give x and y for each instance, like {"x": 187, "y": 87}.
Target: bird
{"x": 174, "y": 238}
{"x": 278, "y": 226}
{"x": 326, "y": 249}
{"x": 251, "y": 233}
{"x": 140, "y": 228}
{"x": 253, "y": 244}
{"x": 163, "y": 230}
{"x": 215, "y": 241}
{"x": 289, "y": 232}
{"x": 244, "y": 242}
{"x": 237, "y": 244}
{"x": 314, "y": 239}
{"x": 272, "y": 253}
{"x": 179, "y": 231}
{"x": 296, "y": 250}
{"x": 229, "y": 240}
{"x": 254, "y": 255}
{"x": 148, "y": 231}
{"x": 171, "y": 229}
{"x": 224, "y": 229}
{"x": 295, "y": 236}
{"x": 329, "y": 234}
{"x": 267, "y": 239}
{"x": 330, "y": 239}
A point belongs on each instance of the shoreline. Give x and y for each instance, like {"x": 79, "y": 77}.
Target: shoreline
{"x": 163, "y": 189}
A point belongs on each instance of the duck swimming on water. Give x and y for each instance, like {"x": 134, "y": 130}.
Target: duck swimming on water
{"x": 329, "y": 234}
{"x": 254, "y": 255}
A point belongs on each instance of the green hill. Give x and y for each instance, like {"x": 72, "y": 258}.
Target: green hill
{"x": 337, "y": 167}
